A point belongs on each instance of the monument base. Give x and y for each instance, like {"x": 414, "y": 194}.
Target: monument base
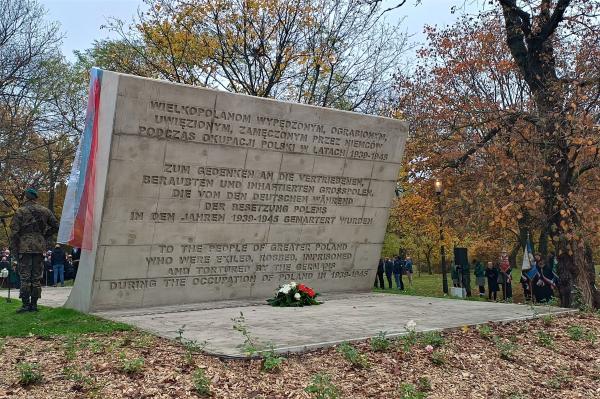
{"x": 342, "y": 317}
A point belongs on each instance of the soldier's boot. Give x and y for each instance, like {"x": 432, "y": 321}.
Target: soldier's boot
{"x": 25, "y": 306}
{"x": 33, "y": 306}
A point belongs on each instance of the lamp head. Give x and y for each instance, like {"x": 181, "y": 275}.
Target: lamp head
{"x": 438, "y": 186}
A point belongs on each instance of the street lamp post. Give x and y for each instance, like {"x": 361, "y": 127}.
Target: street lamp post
{"x": 438, "y": 192}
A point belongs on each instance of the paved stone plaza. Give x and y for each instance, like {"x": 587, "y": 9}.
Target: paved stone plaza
{"x": 341, "y": 318}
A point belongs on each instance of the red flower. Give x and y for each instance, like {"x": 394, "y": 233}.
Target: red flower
{"x": 307, "y": 290}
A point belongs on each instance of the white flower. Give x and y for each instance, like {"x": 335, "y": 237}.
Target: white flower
{"x": 411, "y": 325}
{"x": 293, "y": 284}
{"x": 297, "y": 296}
{"x": 285, "y": 289}
{"x": 429, "y": 348}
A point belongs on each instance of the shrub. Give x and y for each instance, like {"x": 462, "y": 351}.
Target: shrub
{"x": 575, "y": 332}
{"x": 131, "y": 366}
{"x": 380, "y": 343}
{"x": 438, "y": 358}
{"x": 271, "y": 361}
{"x": 409, "y": 391}
{"x": 408, "y": 341}
{"x": 29, "y": 373}
{"x": 322, "y": 387}
{"x": 250, "y": 345}
{"x": 506, "y": 348}
{"x": 485, "y": 331}
{"x": 201, "y": 382}
{"x": 433, "y": 338}
{"x": 545, "y": 339}
{"x": 353, "y": 355}
{"x": 547, "y": 320}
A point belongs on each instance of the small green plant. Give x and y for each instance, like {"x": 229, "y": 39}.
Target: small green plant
{"x": 2, "y": 345}
{"x": 591, "y": 337}
{"x": 201, "y": 382}
{"x": 81, "y": 380}
{"x": 271, "y": 361}
{"x": 408, "y": 341}
{"x": 250, "y": 346}
{"x": 322, "y": 388}
{"x": 485, "y": 331}
{"x": 545, "y": 339}
{"x": 438, "y": 358}
{"x": 507, "y": 349}
{"x": 191, "y": 347}
{"x": 180, "y": 332}
{"x": 380, "y": 343}
{"x": 575, "y": 332}
{"x": 29, "y": 373}
{"x": 131, "y": 366}
{"x": 548, "y": 320}
{"x": 70, "y": 347}
{"x": 353, "y": 355}
{"x": 560, "y": 380}
{"x": 144, "y": 341}
{"x": 424, "y": 384}
{"x": 95, "y": 346}
{"x": 433, "y": 338}
{"x": 409, "y": 391}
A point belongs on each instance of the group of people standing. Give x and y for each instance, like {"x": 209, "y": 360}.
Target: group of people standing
{"x": 398, "y": 267}
{"x": 497, "y": 276}
{"x": 539, "y": 282}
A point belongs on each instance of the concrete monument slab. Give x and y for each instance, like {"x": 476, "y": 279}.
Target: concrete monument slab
{"x": 202, "y": 195}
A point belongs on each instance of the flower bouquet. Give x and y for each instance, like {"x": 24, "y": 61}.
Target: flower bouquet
{"x": 293, "y": 294}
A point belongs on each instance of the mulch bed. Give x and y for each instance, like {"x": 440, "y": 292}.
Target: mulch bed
{"x": 544, "y": 362}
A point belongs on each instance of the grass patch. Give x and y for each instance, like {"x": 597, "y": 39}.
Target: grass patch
{"x": 52, "y": 321}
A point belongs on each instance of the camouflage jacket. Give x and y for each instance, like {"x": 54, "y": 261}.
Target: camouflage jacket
{"x": 31, "y": 228}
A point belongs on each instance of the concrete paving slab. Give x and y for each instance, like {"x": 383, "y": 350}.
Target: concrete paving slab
{"x": 343, "y": 317}
{"x": 51, "y": 296}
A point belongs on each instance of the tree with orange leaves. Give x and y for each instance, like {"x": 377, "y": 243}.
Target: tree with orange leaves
{"x": 507, "y": 114}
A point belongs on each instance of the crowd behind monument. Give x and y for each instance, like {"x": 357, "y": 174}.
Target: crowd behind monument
{"x": 539, "y": 282}
{"x": 60, "y": 265}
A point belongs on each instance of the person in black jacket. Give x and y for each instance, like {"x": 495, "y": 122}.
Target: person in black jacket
{"x": 58, "y": 259}
{"x": 75, "y": 256}
{"x": 491, "y": 273}
{"x": 398, "y": 271}
{"x": 389, "y": 269}
{"x": 379, "y": 275}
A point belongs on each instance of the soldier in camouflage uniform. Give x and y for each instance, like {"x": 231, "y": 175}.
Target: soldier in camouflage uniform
{"x": 31, "y": 228}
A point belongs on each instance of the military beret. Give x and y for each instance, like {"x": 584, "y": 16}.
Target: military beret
{"x": 31, "y": 193}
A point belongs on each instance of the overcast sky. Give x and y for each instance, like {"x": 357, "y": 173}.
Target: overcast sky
{"x": 81, "y": 20}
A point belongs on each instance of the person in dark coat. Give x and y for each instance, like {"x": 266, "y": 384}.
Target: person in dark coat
{"x": 479, "y": 272}
{"x": 58, "y": 259}
{"x": 408, "y": 269}
{"x": 389, "y": 269}
{"x": 379, "y": 275}
{"x": 544, "y": 282}
{"x": 491, "y": 273}
{"x": 48, "y": 273}
{"x": 75, "y": 256}
{"x": 526, "y": 285}
{"x": 398, "y": 271}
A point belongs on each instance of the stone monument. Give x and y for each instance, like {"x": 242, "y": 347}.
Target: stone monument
{"x": 182, "y": 195}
